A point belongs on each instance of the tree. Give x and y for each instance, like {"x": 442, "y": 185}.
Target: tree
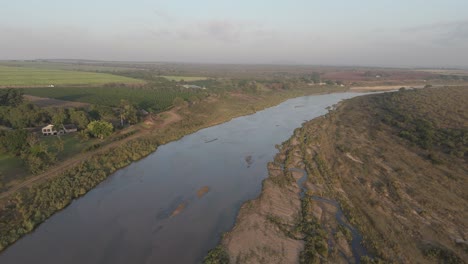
{"x": 315, "y": 77}
{"x": 100, "y": 129}
{"x": 24, "y": 115}
{"x": 14, "y": 141}
{"x": 100, "y": 112}
{"x": 36, "y": 155}
{"x": 11, "y": 97}
{"x": 178, "y": 101}
{"x": 128, "y": 113}
{"x": 58, "y": 118}
{"x": 79, "y": 118}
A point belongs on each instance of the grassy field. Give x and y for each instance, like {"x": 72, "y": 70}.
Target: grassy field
{"x": 149, "y": 99}
{"x": 11, "y": 168}
{"x": 22, "y": 76}
{"x": 68, "y": 66}
{"x": 71, "y": 145}
{"x": 184, "y": 78}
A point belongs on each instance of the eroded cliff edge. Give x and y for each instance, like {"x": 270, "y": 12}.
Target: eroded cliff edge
{"x": 383, "y": 178}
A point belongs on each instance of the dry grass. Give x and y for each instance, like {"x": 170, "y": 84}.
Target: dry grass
{"x": 407, "y": 199}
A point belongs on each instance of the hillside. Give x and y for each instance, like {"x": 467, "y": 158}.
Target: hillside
{"x": 387, "y": 181}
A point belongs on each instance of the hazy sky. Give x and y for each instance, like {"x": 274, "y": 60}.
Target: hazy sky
{"x": 333, "y": 32}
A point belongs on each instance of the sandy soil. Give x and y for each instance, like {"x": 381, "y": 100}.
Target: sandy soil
{"x": 179, "y": 209}
{"x": 381, "y": 88}
{"x": 202, "y": 191}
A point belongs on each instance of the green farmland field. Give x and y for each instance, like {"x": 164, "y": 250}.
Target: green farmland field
{"x": 153, "y": 99}
{"x": 21, "y": 76}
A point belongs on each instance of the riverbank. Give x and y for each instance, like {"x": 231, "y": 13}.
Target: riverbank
{"x": 293, "y": 220}
{"x": 396, "y": 165}
{"x": 24, "y": 210}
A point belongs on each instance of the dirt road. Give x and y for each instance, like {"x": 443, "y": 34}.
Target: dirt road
{"x": 151, "y": 124}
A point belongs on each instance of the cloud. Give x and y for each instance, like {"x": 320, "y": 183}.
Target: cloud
{"x": 223, "y": 30}
{"x": 442, "y": 33}
{"x": 163, "y": 15}
{"x": 168, "y": 26}
{"x": 167, "y": 36}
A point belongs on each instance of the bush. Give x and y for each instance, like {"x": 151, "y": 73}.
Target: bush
{"x": 100, "y": 129}
{"x": 217, "y": 256}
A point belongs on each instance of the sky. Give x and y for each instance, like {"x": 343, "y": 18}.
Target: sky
{"x": 398, "y": 33}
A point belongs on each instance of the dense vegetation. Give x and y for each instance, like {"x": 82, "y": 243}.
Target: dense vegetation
{"x": 29, "y": 208}
{"x": 21, "y": 140}
{"x": 23, "y": 76}
{"x": 429, "y": 126}
{"x": 217, "y": 256}
{"x": 148, "y": 98}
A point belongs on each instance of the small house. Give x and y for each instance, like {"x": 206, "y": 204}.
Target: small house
{"x": 70, "y": 128}
{"x": 50, "y": 130}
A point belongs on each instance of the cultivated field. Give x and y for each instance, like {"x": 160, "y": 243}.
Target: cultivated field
{"x": 24, "y": 77}
{"x": 49, "y": 102}
{"x": 184, "y": 78}
{"x": 156, "y": 99}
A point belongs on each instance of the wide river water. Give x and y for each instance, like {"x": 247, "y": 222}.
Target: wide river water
{"x": 127, "y": 218}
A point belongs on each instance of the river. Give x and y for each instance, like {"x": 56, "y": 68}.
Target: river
{"x": 129, "y": 217}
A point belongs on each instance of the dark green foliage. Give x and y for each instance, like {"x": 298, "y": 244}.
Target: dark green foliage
{"x": 315, "y": 236}
{"x": 11, "y": 97}
{"x": 147, "y": 75}
{"x": 37, "y": 155}
{"x": 59, "y": 116}
{"x": 27, "y": 115}
{"x": 79, "y": 118}
{"x": 128, "y": 113}
{"x": 149, "y": 98}
{"x": 100, "y": 129}
{"x": 14, "y": 141}
{"x": 437, "y": 133}
{"x": 99, "y": 112}
{"x": 23, "y": 115}
{"x": 315, "y": 77}
{"x": 92, "y": 147}
{"x": 178, "y": 101}
{"x": 441, "y": 254}
{"x": 32, "y": 206}
{"x": 216, "y": 256}
{"x": 122, "y": 136}
{"x": 369, "y": 260}
{"x": 307, "y": 229}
